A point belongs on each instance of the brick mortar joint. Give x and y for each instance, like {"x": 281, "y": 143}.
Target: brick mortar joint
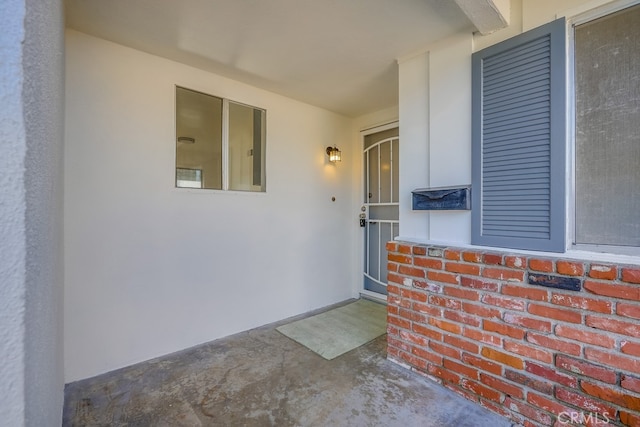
{"x": 525, "y": 388}
{"x": 579, "y": 378}
{"x": 616, "y": 350}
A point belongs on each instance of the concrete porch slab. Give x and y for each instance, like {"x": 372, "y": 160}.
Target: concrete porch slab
{"x": 262, "y": 378}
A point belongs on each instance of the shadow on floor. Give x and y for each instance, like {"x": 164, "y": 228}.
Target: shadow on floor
{"x": 262, "y": 378}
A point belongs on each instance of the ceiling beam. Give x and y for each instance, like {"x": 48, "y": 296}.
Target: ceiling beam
{"x": 487, "y": 15}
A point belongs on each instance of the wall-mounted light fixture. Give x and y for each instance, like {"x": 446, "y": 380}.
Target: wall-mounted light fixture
{"x": 334, "y": 154}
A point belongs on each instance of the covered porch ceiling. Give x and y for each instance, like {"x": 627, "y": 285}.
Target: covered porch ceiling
{"x": 335, "y": 54}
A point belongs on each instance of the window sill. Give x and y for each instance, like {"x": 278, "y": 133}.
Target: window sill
{"x": 211, "y": 191}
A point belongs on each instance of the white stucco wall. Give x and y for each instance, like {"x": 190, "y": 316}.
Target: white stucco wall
{"x": 150, "y": 269}
{"x": 435, "y": 117}
{"x": 43, "y": 97}
{"x": 31, "y": 118}
{"x": 414, "y": 110}
{"x": 12, "y": 226}
{"x": 435, "y": 122}
{"x": 450, "y": 122}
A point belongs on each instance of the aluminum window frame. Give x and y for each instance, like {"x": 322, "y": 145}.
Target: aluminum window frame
{"x": 225, "y": 166}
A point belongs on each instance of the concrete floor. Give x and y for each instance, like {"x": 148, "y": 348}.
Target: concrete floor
{"x": 262, "y": 378}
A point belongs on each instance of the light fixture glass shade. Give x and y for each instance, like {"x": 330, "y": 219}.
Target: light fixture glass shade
{"x": 334, "y": 154}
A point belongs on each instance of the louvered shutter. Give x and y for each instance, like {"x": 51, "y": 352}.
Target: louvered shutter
{"x": 518, "y": 141}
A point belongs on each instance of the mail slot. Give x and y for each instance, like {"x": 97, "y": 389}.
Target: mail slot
{"x": 442, "y": 198}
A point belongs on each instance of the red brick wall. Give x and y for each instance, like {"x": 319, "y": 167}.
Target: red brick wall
{"x": 543, "y": 341}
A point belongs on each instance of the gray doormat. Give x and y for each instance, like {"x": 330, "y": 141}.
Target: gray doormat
{"x": 340, "y": 330}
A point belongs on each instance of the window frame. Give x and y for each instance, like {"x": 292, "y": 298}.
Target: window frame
{"x": 578, "y": 18}
{"x": 225, "y": 166}
{"x": 226, "y": 179}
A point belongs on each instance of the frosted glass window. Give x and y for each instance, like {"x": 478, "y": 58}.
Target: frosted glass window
{"x": 607, "y": 81}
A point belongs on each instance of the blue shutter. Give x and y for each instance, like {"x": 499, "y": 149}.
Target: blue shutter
{"x": 518, "y": 140}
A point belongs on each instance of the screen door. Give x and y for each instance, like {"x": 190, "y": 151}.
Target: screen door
{"x": 380, "y": 205}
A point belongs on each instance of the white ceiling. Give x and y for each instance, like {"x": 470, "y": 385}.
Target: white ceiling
{"x": 336, "y": 54}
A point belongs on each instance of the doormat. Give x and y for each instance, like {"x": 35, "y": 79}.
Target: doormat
{"x": 340, "y": 330}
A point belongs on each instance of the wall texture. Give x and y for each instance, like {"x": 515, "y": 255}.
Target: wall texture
{"x": 31, "y": 90}
{"x": 43, "y": 97}
{"x": 543, "y": 341}
{"x": 12, "y": 208}
{"x": 151, "y": 269}
{"x": 414, "y": 109}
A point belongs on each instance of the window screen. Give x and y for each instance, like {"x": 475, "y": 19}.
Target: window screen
{"x": 607, "y": 85}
